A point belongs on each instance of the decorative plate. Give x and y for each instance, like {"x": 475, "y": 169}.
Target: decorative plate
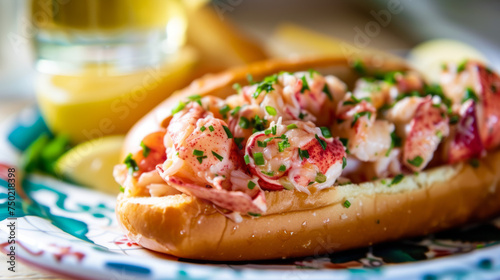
{"x": 72, "y": 231}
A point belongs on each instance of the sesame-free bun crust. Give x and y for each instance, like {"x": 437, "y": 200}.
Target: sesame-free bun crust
{"x": 297, "y": 224}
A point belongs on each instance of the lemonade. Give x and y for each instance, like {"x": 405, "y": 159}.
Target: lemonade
{"x": 128, "y": 34}
{"x": 97, "y": 102}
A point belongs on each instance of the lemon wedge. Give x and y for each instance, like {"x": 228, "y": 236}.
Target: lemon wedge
{"x": 99, "y": 102}
{"x": 429, "y": 56}
{"x": 91, "y": 163}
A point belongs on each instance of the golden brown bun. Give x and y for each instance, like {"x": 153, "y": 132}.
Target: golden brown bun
{"x": 297, "y": 224}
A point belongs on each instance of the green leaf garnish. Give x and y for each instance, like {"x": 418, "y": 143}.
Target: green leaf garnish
{"x": 228, "y": 132}
{"x": 347, "y": 204}
{"x": 145, "y": 150}
{"x": 321, "y": 141}
{"x": 131, "y": 164}
{"x": 398, "y": 178}
{"x": 271, "y": 111}
{"x": 259, "y": 159}
{"x": 417, "y": 161}
{"x": 251, "y": 185}
{"x": 179, "y": 107}
{"x": 305, "y": 85}
{"x": 326, "y": 132}
{"x": 320, "y": 177}
{"x": 219, "y": 157}
{"x": 197, "y": 153}
{"x": 303, "y": 154}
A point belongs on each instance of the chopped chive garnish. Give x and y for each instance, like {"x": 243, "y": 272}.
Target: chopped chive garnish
{"x": 321, "y": 141}
{"x": 439, "y": 134}
{"x": 470, "y": 94}
{"x": 211, "y": 128}
{"x": 347, "y": 204}
{"x": 417, "y": 161}
{"x": 271, "y": 111}
{"x": 251, "y": 185}
{"x": 131, "y": 164}
{"x": 326, "y": 132}
{"x": 270, "y": 173}
{"x": 194, "y": 97}
{"x": 282, "y": 168}
{"x": 145, "y": 150}
{"x": 258, "y": 123}
{"x": 454, "y": 119}
{"x": 179, "y": 107}
{"x": 238, "y": 142}
{"x": 305, "y": 85}
{"x": 237, "y": 87}
{"x": 344, "y": 141}
{"x": 250, "y": 79}
{"x": 261, "y": 144}
{"x": 320, "y": 177}
{"x": 122, "y": 189}
{"x": 247, "y": 159}
{"x": 283, "y": 145}
{"x": 398, "y": 178}
{"x": 197, "y": 153}
{"x": 269, "y": 140}
{"x": 219, "y": 157}
{"x": 254, "y": 214}
{"x": 359, "y": 67}
{"x": 291, "y": 126}
{"x": 200, "y": 159}
{"x": 474, "y": 162}
{"x": 302, "y": 115}
{"x": 273, "y": 130}
{"x": 228, "y": 132}
{"x": 235, "y": 110}
{"x": 266, "y": 85}
{"x": 202, "y": 128}
{"x": 267, "y": 132}
{"x": 312, "y": 72}
{"x": 259, "y": 159}
{"x": 244, "y": 123}
{"x": 395, "y": 142}
{"x": 360, "y": 114}
{"x": 303, "y": 154}
{"x": 461, "y": 66}
{"x": 223, "y": 111}
{"x": 326, "y": 90}
{"x": 344, "y": 162}
{"x": 355, "y": 100}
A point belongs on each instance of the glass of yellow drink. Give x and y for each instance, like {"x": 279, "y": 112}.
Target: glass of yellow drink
{"x": 126, "y": 34}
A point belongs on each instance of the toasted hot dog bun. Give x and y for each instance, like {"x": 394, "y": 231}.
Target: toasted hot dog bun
{"x": 297, "y": 224}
